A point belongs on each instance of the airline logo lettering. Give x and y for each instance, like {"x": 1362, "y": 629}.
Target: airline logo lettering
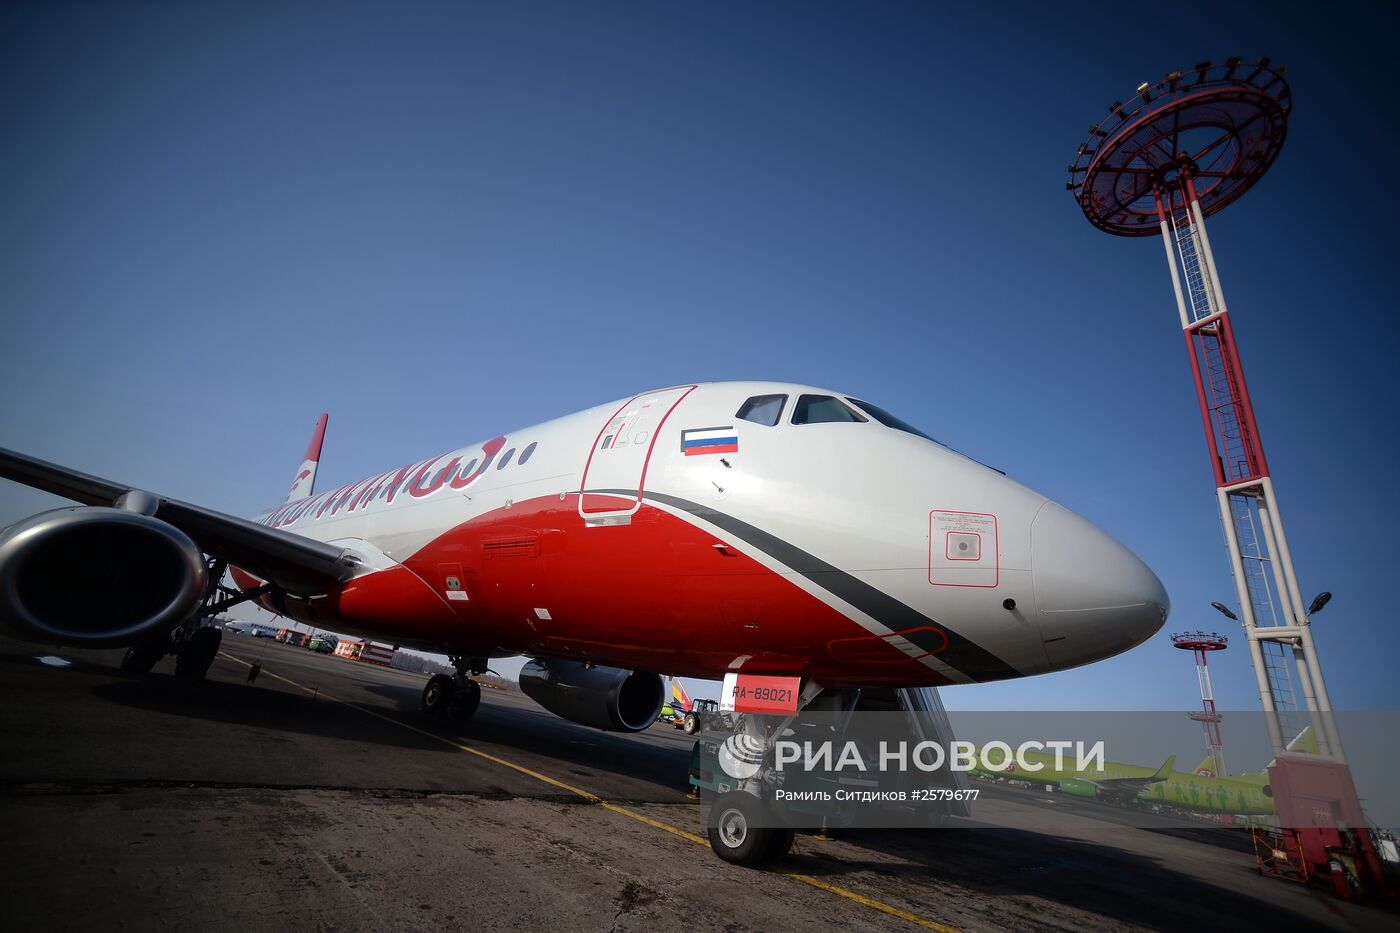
{"x": 696, "y": 441}
{"x": 755, "y": 693}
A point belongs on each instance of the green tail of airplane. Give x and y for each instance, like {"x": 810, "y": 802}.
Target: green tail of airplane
{"x": 1206, "y": 768}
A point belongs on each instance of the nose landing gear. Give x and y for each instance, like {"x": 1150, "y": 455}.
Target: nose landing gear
{"x": 743, "y": 832}
{"x": 756, "y": 803}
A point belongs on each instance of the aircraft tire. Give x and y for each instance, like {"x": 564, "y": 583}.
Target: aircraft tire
{"x": 197, "y": 654}
{"x": 437, "y": 695}
{"x": 734, "y": 831}
{"x": 691, "y": 724}
{"x": 465, "y": 700}
{"x": 142, "y": 656}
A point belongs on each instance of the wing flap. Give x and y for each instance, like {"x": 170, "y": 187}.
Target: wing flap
{"x": 297, "y": 564}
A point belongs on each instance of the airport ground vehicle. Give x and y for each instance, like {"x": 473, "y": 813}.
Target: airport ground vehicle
{"x": 700, "y": 713}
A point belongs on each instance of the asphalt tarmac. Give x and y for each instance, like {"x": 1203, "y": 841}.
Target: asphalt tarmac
{"x": 320, "y": 798}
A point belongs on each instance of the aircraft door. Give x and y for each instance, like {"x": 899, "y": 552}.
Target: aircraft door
{"x": 620, "y": 456}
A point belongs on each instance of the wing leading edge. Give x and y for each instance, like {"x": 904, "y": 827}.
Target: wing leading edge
{"x": 292, "y": 562}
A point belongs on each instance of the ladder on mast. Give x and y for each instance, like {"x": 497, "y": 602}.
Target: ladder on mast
{"x": 1242, "y": 479}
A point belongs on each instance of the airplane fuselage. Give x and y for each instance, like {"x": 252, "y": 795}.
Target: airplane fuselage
{"x": 666, "y": 533}
{"x": 1243, "y": 794}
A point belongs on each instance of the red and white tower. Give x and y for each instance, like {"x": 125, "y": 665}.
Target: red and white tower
{"x": 1200, "y": 644}
{"x": 1179, "y": 151}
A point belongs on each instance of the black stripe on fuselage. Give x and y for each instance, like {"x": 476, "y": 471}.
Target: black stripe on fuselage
{"x": 961, "y": 653}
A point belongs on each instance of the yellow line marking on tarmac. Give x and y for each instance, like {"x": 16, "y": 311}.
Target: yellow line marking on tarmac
{"x": 867, "y": 901}
{"x": 673, "y": 830}
{"x": 591, "y": 797}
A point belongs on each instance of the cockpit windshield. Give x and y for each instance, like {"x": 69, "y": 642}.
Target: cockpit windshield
{"x": 899, "y": 424}
{"x": 823, "y": 409}
{"x": 890, "y": 421}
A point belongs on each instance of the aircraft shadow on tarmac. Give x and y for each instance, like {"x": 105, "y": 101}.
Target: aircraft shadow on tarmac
{"x": 1101, "y": 879}
{"x": 1221, "y": 837}
{"x": 653, "y": 773}
{"x": 252, "y": 705}
{"x": 661, "y": 771}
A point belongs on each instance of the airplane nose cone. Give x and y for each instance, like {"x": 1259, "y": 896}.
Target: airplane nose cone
{"x": 1095, "y": 598}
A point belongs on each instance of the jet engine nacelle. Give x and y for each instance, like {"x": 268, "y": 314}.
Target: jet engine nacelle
{"x": 603, "y": 697}
{"x": 97, "y": 576}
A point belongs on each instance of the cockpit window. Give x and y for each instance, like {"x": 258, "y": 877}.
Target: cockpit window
{"x": 763, "y": 409}
{"x": 890, "y": 421}
{"x": 820, "y": 409}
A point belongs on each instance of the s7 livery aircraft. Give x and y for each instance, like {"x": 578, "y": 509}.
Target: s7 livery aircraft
{"x": 695, "y": 530}
{"x": 1197, "y": 790}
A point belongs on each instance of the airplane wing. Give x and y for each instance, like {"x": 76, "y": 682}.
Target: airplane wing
{"x": 292, "y": 562}
{"x": 1130, "y": 787}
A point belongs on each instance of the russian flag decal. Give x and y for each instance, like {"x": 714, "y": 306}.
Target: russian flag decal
{"x": 697, "y": 441}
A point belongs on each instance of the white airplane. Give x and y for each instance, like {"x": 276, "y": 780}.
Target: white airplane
{"x": 697, "y": 530}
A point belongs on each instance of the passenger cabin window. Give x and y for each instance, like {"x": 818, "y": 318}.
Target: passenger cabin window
{"x": 822, "y": 409}
{"x": 763, "y": 409}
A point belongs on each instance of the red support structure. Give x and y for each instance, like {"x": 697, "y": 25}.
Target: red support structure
{"x": 1231, "y": 431}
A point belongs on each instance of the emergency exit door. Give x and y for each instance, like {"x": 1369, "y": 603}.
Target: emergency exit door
{"x": 620, "y": 456}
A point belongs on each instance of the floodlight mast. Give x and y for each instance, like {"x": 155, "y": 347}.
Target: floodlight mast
{"x": 1200, "y": 644}
{"x": 1188, "y": 147}
{"x": 1275, "y": 618}
{"x": 1182, "y": 150}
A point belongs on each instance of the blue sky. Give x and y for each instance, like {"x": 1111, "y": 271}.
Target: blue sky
{"x": 441, "y": 222}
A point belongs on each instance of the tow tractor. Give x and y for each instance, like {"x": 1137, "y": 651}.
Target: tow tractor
{"x": 703, "y": 714}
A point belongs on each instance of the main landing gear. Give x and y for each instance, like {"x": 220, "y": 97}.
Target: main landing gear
{"x": 456, "y": 695}
{"x": 194, "y": 643}
{"x": 142, "y": 656}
